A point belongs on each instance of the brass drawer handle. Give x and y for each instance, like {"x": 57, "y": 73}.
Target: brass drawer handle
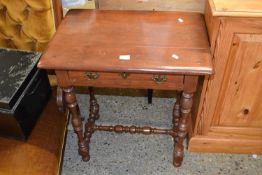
{"x": 159, "y": 78}
{"x": 91, "y": 75}
{"x": 124, "y": 75}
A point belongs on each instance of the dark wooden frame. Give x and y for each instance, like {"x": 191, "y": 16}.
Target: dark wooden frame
{"x": 58, "y": 12}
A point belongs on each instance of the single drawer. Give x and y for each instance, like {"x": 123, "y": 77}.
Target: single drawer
{"x": 127, "y": 80}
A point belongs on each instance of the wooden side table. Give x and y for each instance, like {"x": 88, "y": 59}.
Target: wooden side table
{"x": 128, "y": 49}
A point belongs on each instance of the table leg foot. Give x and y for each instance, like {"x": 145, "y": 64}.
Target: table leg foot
{"x": 186, "y": 105}
{"x": 86, "y": 159}
{"x": 72, "y": 106}
{"x": 84, "y": 152}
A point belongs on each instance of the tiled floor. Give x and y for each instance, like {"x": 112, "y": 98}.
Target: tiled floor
{"x": 120, "y": 154}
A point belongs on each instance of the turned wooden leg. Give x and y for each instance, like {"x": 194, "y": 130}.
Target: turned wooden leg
{"x": 93, "y": 115}
{"x": 60, "y": 99}
{"x": 186, "y": 105}
{"x": 94, "y": 106}
{"x": 176, "y": 112}
{"x": 71, "y": 102}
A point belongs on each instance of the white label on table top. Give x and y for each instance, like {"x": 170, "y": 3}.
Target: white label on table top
{"x": 180, "y": 20}
{"x": 175, "y": 56}
{"x": 124, "y": 57}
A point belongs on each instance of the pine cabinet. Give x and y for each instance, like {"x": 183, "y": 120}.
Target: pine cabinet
{"x": 229, "y": 118}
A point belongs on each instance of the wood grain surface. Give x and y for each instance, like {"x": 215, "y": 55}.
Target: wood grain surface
{"x": 213, "y": 24}
{"x": 41, "y": 154}
{"x": 223, "y": 44}
{"x": 156, "y": 42}
{"x": 242, "y": 84}
{"x": 244, "y": 8}
{"x": 57, "y": 11}
{"x": 142, "y": 81}
{"x": 225, "y": 145}
{"x": 229, "y": 116}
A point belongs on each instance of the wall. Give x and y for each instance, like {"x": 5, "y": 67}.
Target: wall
{"x": 162, "y": 5}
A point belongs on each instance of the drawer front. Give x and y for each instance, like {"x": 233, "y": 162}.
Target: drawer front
{"x": 127, "y": 80}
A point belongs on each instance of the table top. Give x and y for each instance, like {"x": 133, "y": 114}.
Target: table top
{"x": 130, "y": 41}
{"x": 16, "y": 67}
{"x": 244, "y": 8}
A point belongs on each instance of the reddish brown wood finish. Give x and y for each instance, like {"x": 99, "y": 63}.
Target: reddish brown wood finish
{"x": 143, "y": 81}
{"x": 186, "y": 105}
{"x": 71, "y": 102}
{"x": 178, "y": 132}
{"x": 134, "y": 129}
{"x": 58, "y": 12}
{"x": 94, "y": 107}
{"x": 93, "y": 115}
{"x": 176, "y": 110}
{"x": 85, "y": 52}
{"x": 176, "y": 114}
{"x": 93, "y": 40}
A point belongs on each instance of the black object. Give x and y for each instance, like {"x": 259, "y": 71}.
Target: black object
{"x": 149, "y": 96}
{"x": 24, "y": 91}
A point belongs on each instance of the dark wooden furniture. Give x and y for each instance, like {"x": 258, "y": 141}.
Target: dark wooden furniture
{"x": 128, "y": 49}
{"x": 21, "y": 83}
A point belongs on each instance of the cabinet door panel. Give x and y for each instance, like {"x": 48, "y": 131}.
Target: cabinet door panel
{"x": 241, "y": 93}
{"x": 229, "y": 118}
